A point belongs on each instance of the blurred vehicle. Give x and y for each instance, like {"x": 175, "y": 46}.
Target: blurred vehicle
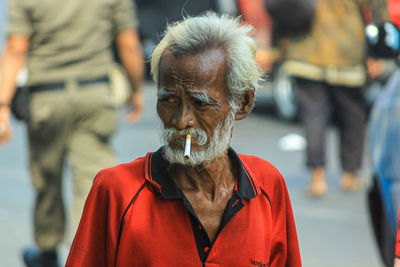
{"x": 279, "y": 91}
{"x": 384, "y": 144}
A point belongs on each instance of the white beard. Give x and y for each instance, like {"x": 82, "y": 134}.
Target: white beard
{"x": 218, "y": 145}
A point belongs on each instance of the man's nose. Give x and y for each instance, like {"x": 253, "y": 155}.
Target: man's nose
{"x": 184, "y": 118}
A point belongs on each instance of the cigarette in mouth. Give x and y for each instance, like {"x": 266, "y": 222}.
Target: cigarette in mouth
{"x": 187, "y": 146}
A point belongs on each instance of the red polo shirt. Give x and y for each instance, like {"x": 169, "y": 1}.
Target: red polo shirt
{"x": 135, "y": 215}
{"x": 397, "y": 252}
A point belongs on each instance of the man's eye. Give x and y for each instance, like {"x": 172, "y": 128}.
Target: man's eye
{"x": 168, "y": 99}
{"x": 200, "y": 103}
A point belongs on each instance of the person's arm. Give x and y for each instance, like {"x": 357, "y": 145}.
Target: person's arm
{"x": 13, "y": 59}
{"x": 130, "y": 52}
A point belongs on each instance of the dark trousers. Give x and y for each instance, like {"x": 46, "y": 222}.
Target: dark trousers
{"x": 318, "y": 102}
{"x": 74, "y": 124}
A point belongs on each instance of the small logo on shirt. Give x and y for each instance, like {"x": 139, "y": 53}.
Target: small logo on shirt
{"x": 257, "y": 263}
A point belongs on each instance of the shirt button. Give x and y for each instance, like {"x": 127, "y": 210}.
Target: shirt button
{"x": 206, "y": 249}
{"x": 199, "y": 226}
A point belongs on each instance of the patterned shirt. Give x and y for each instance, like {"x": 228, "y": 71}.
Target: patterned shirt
{"x": 335, "y": 49}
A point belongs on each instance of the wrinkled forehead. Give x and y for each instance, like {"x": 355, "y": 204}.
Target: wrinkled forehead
{"x": 202, "y": 67}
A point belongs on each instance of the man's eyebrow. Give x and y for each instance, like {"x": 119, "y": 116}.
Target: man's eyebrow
{"x": 163, "y": 92}
{"x": 202, "y": 97}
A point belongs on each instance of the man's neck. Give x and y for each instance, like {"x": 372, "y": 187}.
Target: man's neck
{"x": 210, "y": 179}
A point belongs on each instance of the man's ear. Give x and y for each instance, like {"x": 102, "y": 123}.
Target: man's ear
{"x": 245, "y": 102}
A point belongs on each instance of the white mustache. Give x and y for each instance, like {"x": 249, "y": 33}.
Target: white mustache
{"x": 173, "y": 134}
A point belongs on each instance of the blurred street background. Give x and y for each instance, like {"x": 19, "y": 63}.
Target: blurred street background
{"x": 333, "y": 231}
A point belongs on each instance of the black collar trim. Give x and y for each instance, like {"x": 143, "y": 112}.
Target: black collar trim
{"x": 157, "y": 175}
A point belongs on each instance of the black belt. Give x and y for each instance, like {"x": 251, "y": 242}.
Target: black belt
{"x": 61, "y": 85}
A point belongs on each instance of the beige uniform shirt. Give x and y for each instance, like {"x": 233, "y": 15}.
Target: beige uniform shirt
{"x": 69, "y": 38}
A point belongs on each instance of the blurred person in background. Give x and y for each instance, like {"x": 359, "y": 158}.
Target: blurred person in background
{"x": 328, "y": 63}
{"x": 66, "y": 46}
{"x": 322, "y": 45}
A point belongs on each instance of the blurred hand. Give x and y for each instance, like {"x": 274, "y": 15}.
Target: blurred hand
{"x": 375, "y": 67}
{"x": 396, "y": 262}
{"x": 5, "y": 129}
{"x": 137, "y": 105}
{"x": 264, "y": 59}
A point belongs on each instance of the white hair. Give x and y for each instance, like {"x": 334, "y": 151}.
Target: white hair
{"x": 196, "y": 34}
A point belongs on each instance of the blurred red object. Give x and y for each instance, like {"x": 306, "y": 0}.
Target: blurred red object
{"x": 394, "y": 11}
{"x": 254, "y": 13}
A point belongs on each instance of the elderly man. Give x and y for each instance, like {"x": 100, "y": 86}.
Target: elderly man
{"x": 212, "y": 208}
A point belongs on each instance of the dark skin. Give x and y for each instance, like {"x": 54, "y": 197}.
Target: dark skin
{"x": 209, "y": 186}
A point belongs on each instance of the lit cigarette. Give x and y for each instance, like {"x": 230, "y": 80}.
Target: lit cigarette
{"x": 187, "y": 146}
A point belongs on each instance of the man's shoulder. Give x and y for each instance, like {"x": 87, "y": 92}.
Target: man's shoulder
{"x": 264, "y": 173}
{"x": 259, "y": 165}
{"x": 125, "y": 176}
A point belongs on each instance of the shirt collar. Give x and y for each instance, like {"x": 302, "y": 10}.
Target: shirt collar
{"x": 156, "y": 173}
